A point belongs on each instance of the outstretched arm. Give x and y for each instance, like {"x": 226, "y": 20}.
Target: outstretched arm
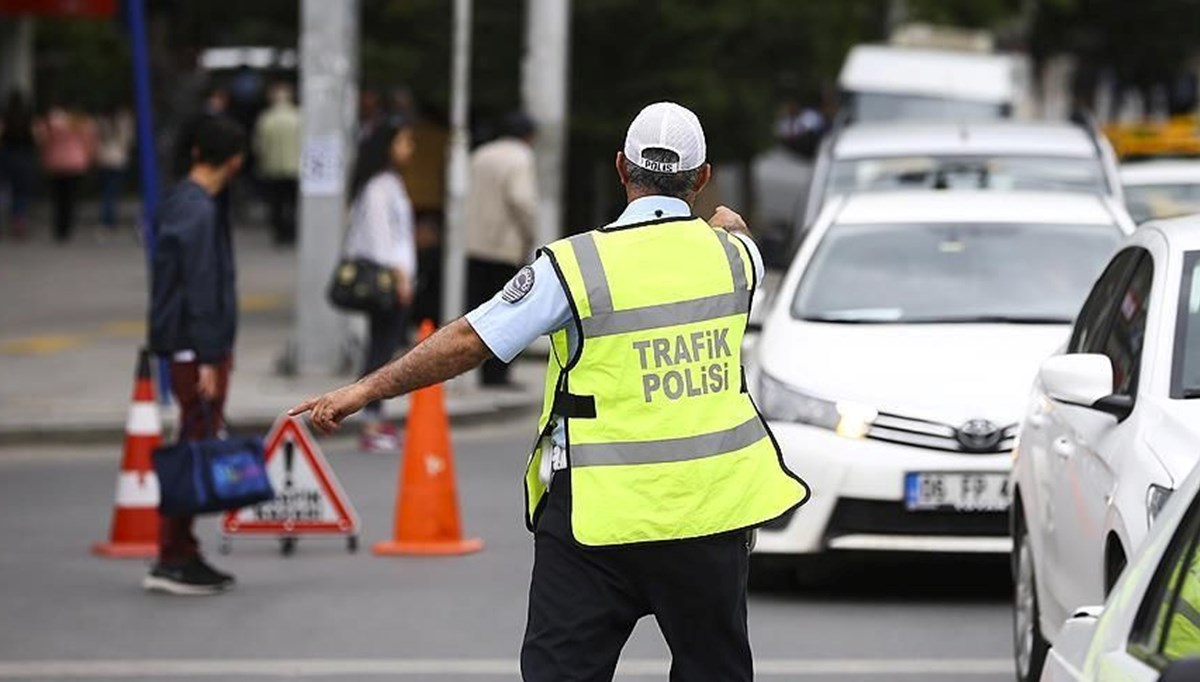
{"x": 452, "y": 350}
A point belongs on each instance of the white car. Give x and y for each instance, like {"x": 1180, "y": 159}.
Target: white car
{"x": 1161, "y": 189}
{"x": 1002, "y": 155}
{"x": 894, "y": 366}
{"x": 1112, "y": 427}
{"x": 1149, "y": 629}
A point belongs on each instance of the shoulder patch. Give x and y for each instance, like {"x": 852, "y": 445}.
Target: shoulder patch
{"x": 517, "y": 287}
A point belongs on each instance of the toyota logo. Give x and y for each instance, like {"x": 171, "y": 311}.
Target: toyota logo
{"x": 979, "y": 435}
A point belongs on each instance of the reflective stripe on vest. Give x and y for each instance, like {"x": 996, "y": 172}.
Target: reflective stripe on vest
{"x": 674, "y": 449}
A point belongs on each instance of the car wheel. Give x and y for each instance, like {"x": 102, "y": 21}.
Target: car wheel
{"x": 1030, "y": 647}
{"x": 1114, "y": 565}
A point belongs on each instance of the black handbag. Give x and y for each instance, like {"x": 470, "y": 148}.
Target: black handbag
{"x": 363, "y": 286}
{"x": 211, "y": 475}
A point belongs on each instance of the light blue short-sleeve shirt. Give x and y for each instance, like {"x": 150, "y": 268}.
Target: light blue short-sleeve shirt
{"x": 525, "y": 310}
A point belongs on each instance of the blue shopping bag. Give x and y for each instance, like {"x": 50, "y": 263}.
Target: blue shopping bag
{"x": 211, "y": 475}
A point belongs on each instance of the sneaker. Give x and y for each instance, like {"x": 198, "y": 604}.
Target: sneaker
{"x": 184, "y": 579}
{"x": 378, "y": 442}
{"x": 203, "y": 566}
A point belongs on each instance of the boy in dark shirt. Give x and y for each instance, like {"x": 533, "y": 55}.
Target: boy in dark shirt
{"x": 193, "y": 322}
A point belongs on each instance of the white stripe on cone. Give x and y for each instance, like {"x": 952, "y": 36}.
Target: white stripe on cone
{"x": 137, "y": 489}
{"x": 143, "y": 420}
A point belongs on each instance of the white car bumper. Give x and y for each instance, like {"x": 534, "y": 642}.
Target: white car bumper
{"x": 857, "y": 498}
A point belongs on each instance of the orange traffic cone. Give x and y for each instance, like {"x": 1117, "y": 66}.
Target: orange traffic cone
{"x": 135, "y": 518}
{"x": 427, "y": 520}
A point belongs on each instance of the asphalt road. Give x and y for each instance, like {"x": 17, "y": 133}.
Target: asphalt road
{"x": 324, "y": 614}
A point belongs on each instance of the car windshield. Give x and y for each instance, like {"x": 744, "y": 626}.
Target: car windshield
{"x": 1082, "y": 175}
{"x": 1154, "y": 202}
{"x": 1186, "y": 382}
{"x": 910, "y": 273}
{"x": 873, "y": 106}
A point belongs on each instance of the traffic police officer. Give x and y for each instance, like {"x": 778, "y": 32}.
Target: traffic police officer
{"x": 651, "y": 464}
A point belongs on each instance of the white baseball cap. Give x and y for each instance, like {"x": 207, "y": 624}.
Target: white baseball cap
{"x": 666, "y": 125}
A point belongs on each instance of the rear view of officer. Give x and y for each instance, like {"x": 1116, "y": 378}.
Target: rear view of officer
{"x": 651, "y": 464}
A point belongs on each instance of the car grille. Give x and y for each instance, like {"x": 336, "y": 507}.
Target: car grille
{"x": 892, "y": 428}
{"x": 877, "y": 517}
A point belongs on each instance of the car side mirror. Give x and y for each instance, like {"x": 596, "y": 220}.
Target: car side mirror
{"x": 1084, "y": 380}
{"x": 1184, "y": 670}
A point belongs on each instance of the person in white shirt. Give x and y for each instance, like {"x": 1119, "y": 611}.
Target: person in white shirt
{"x": 382, "y": 231}
{"x": 114, "y": 142}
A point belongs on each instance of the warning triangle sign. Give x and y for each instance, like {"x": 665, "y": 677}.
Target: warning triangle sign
{"x": 308, "y": 497}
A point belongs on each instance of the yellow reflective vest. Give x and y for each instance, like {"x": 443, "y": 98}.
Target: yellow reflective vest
{"x": 662, "y": 439}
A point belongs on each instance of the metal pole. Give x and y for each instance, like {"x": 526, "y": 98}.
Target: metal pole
{"x": 329, "y": 98}
{"x": 16, "y": 55}
{"x": 147, "y": 158}
{"x": 457, "y": 180}
{"x": 544, "y": 93}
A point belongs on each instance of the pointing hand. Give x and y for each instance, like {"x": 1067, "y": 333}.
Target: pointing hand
{"x": 327, "y": 411}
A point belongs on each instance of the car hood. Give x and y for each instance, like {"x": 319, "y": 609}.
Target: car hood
{"x": 1172, "y": 431}
{"x": 948, "y": 373}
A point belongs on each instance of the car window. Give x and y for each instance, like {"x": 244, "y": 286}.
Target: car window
{"x": 1127, "y": 334}
{"x": 1167, "y": 627}
{"x": 871, "y": 106}
{"x": 1185, "y": 374}
{"x": 1097, "y": 309}
{"x": 1147, "y": 202}
{"x": 947, "y": 272}
{"x": 1084, "y": 175}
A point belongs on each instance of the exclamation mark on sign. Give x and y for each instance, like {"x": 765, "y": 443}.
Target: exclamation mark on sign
{"x": 289, "y": 455}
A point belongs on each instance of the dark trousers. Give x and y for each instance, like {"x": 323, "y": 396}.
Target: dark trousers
{"x": 388, "y": 333}
{"x": 281, "y": 201}
{"x": 484, "y": 279}
{"x": 63, "y": 192}
{"x": 111, "y": 182}
{"x": 583, "y": 603}
{"x": 198, "y": 419}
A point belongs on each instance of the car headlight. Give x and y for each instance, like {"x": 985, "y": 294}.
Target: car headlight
{"x": 780, "y": 402}
{"x": 1156, "y": 499}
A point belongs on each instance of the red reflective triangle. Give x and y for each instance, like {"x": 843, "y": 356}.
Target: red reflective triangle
{"x": 296, "y": 510}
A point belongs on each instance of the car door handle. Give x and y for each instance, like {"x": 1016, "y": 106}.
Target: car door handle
{"x": 1063, "y": 447}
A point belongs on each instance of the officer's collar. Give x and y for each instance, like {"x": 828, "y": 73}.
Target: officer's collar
{"x": 651, "y": 209}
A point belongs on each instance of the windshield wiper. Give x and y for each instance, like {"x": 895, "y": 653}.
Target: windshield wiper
{"x": 989, "y": 319}
{"x": 1189, "y": 393}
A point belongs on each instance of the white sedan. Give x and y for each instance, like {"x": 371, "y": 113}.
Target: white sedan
{"x": 1112, "y": 428}
{"x": 894, "y": 364}
{"x": 1161, "y": 189}
{"x": 1149, "y": 629}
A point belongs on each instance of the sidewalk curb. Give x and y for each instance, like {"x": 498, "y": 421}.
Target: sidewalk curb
{"x": 98, "y": 433}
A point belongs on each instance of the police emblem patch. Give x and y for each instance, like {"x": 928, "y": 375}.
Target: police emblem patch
{"x": 517, "y": 287}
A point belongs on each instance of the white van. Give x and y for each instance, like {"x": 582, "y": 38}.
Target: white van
{"x": 890, "y": 83}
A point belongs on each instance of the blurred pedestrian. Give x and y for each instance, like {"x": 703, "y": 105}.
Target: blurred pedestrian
{"x": 382, "y": 230}
{"x": 193, "y": 322}
{"x": 114, "y": 143}
{"x": 370, "y": 114}
{"x": 800, "y": 128}
{"x": 501, "y": 219}
{"x": 67, "y": 137}
{"x": 277, "y": 143}
{"x": 651, "y": 466}
{"x": 18, "y": 160}
{"x": 215, "y": 104}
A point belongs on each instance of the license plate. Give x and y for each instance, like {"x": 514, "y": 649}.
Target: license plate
{"x": 964, "y": 492}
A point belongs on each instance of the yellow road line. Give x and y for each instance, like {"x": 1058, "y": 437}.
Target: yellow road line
{"x": 45, "y": 344}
